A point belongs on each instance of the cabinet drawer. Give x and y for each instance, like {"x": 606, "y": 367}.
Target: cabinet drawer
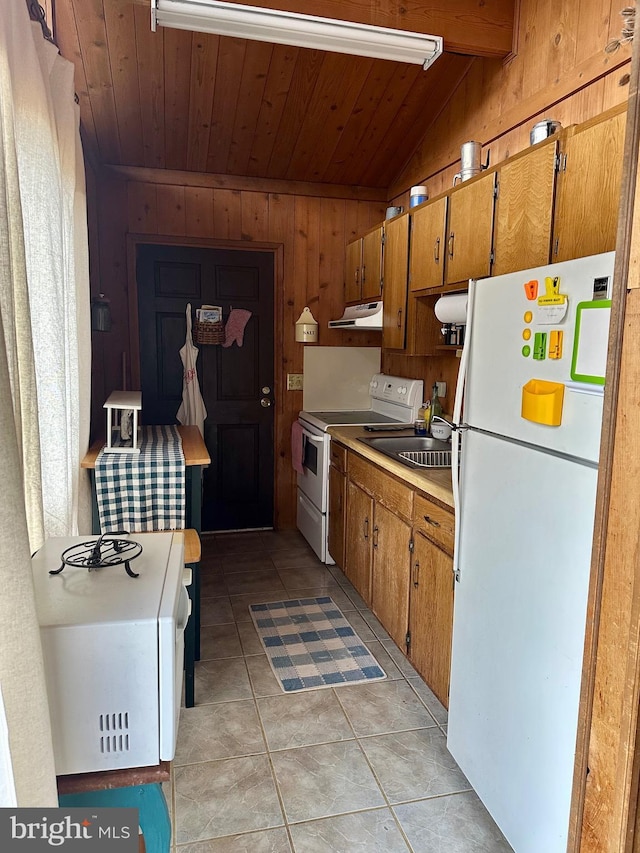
{"x": 389, "y": 492}
{"x": 434, "y": 522}
{"x": 338, "y": 456}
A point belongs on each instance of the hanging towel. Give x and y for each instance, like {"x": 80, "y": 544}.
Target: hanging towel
{"x": 192, "y": 411}
{"x": 297, "y": 447}
{"x": 234, "y": 330}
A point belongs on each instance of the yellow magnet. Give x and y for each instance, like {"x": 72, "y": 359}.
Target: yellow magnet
{"x": 526, "y": 334}
{"x": 528, "y": 316}
{"x": 552, "y": 294}
{"x": 555, "y": 343}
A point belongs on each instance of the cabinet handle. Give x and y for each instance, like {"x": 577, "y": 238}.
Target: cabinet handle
{"x": 366, "y": 528}
{"x": 364, "y": 273}
{"x": 432, "y": 521}
{"x": 416, "y": 572}
{"x": 375, "y": 536}
{"x": 357, "y": 275}
{"x": 451, "y": 236}
{"x": 399, "y": 318}
{"x": 436, "y": 250}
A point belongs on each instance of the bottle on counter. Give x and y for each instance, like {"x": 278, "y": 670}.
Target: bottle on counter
{"x": 436, "y": 405}
{"x": 421, "y": 424}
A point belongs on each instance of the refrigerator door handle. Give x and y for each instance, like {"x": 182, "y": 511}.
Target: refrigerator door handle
{"x": 455, "y": 436}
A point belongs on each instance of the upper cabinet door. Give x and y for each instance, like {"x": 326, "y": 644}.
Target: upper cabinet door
{"x": 524, "y": 210}
{"x": 352, "y": 271}
{"x": 426, "y": 266}
{"x": 371, "y": 275}
{"x": 470, "y": 230}
{"x": 396, "y": 267}
{"x": 589, "y": 190}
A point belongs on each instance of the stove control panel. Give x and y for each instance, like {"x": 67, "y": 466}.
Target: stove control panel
{"x": 397, "y": 389}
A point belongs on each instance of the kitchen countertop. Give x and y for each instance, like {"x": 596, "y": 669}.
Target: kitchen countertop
{"x": 434, "y": 482}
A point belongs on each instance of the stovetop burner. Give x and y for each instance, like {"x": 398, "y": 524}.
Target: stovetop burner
{"x": 97, "y": 554}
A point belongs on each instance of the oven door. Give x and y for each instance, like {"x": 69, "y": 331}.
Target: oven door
{"x": 314, "y": 483}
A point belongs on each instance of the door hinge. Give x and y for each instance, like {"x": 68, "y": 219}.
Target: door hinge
{"x": 556, "y": 245}
{"x": 496, "y": 189}
{"x": 383, "y": 239}
{"x": 492, "y": 257}
{"x": 407, "y": 640}
{"x": 561, "y": 162}
{"x": 411, "y": 542}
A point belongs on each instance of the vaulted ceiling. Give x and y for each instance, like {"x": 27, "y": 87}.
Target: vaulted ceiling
{"x": 193, "y": 101}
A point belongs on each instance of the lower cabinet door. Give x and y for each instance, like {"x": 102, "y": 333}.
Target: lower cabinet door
{"x": 337, "y": 495}
{"x": 431, "y": 615}
{"x": 358, "y": 539}
{"x": 391, "y": 569}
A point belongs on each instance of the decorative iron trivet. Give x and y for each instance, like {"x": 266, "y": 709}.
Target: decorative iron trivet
{"x": 99, "y": 553}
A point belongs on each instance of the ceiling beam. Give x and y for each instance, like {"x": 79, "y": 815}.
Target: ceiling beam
{"x": 472, "y": 27}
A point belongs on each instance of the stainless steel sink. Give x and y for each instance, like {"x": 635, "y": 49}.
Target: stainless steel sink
{"x": 414, "y": 451}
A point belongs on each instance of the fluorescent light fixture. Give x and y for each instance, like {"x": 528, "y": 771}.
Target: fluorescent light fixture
{"x": 272, "y": 25}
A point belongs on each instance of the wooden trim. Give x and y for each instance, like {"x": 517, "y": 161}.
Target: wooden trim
{"x": 605, "y": 792}
{"x": 276, "y": 249}
{"x": 78, "y": 783}
{"x": 243, "y": 184}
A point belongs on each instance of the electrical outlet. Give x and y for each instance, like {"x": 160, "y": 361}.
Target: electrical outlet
{"x": 442, "y": 389}
{"x": 294, "y": 381}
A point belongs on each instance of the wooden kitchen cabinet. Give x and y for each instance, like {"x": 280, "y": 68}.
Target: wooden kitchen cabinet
{"x": 352, "y": 272}
{"x": 359, "y": 538}
{"x": 524, "y": 209}
{"x": 371, "y": 277}
{"x": 363, "y": 267}
{"x": 431, "y": 615}
{"x": 337, "y": 506}
{"x": 399, "y": 556}
{"x": 470, "y": 230}
{"x": 390, "y": 575}
{"x": 377, "y": 551}
{"x": 588, "y": 194}
{"x": 396, "y": 265}
{"x": 427, "y": 245}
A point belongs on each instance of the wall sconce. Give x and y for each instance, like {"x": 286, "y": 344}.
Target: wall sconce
{"x": 100, "y": 314}
{"x": 306, "y": 328}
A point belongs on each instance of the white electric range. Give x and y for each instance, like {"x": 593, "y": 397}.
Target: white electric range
{"x": 394, "y": 401}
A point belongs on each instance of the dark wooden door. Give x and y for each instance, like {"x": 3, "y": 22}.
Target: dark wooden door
{"x": 236, "y": 382}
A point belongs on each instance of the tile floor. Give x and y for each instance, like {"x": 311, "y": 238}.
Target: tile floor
{"x": 352, "y": 768}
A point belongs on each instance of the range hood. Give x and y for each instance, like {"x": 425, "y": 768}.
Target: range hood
{"x": 365, "y": 317}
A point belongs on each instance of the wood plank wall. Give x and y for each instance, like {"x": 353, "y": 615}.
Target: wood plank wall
{"x": 559, "y": 70}
{"x": 312, "y": 232}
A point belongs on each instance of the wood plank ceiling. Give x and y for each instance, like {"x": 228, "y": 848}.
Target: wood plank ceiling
{"x": 193, "y": 101}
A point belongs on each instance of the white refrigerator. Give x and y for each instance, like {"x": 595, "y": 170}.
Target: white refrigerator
{"x": 529, "y": 401}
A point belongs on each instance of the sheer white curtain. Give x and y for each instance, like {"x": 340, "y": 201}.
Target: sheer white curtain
{"x": 44, "y": 369}
{"x": 52, "y": 197}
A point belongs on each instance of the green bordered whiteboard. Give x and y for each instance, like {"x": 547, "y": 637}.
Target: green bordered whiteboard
{"x": 589, "y": 360}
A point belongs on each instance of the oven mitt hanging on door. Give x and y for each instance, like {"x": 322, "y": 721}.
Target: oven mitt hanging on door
{"x": 234, "y": 329}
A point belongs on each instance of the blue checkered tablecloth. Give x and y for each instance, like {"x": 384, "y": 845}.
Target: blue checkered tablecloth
{"x": 144, "y": 491}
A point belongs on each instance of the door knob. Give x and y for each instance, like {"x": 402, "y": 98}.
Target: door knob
{"x": 266, "y": 389}
{"x": 265, "y": 402}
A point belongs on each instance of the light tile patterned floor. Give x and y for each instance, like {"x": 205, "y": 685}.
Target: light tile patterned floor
{"x": 352, "y": 769}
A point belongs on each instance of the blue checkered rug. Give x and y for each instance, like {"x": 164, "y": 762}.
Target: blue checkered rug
{"x": 310, "y": 644}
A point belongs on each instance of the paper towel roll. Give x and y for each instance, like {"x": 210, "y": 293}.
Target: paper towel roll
{"x": 453, "y": 308}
